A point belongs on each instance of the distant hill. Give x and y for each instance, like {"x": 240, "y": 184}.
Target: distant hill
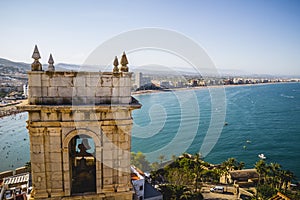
{"x": 11, "y": 67}
{"x": 7, "y": 66}
{"x": 5, "y": 62}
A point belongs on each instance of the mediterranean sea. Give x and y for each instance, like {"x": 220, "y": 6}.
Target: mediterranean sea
{"x": 261, "y": 118}
{"x": 257, "y": 119}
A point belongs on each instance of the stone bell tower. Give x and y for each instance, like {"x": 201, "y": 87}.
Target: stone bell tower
{"x": 80, "y": 132}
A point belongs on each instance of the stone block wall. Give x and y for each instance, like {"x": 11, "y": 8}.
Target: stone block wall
{"x": 79, "y": 88}
{"x": 49, "y": 138}
{"x": 65, "y": 105}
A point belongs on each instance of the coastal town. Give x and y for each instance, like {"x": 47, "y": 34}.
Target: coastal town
{"x": 75, "y": 171}
{"x": 197, "y": 180}
{"x": 14, "y": 83}
{"x": 150, "y": 100}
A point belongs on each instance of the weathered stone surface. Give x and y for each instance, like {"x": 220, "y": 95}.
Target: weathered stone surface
{"x": 80, "y": 80}
{"x": 106, "y": 81}
{"x": 56, "y": 175}
{"x": 60, "y": 81}
{"x": 126, "y": 92}
{"x": 102, "y": 87}
{"x": 35, "y": 79}
{"x": 35, "y": 91}
{"x": 38, "y": 167}
{"x": 93, "y": 81}
{"x": 52, "y": 91}
{"x": 64, "y": 105}
{"x": 64, "y": 92}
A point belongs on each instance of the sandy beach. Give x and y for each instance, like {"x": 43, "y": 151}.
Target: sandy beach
{"x": 11, "y": 109}
{"x": 142, "y": 92}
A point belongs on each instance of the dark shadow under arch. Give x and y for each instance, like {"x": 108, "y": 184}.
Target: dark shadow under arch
{"x": 82, "y": 161}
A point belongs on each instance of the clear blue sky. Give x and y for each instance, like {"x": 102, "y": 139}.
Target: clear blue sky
{"x": 253, "y": 36}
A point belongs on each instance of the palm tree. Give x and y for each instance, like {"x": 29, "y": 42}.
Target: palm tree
{"x": 286, "y": 178}
{"x": 274, "y": 174}
{"x": 229, "y": 165}
{"x": 261, "y": 169}
{"x": 241, "y": 165}
{"x": 233, "y": 164}
{"x": 161, "y": 159}
{"x": 197, "y": 168}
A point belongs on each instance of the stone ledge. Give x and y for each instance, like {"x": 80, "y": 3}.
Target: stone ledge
{"x": 69, "y": 108}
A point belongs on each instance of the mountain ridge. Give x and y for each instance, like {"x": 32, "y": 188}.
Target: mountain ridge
{"x": 21, "y": 67}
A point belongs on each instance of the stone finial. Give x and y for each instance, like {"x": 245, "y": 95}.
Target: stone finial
{"x": 51, "y": 62}
{"x": 116, "y": 63}
{"x": 36, "y": 54}
{"x": 124, "y": 63}
{"x": 36, "y": 65}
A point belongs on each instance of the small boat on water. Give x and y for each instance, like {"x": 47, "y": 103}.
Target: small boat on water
{"x": 262, "y": 156}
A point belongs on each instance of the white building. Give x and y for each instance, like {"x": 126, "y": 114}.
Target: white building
{"x": 143, "y": 190}
{"x": 140, "y": 80}
{"x": 25, "y": 91}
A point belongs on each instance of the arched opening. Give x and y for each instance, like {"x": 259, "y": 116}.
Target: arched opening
{"x": 82, "y": 164}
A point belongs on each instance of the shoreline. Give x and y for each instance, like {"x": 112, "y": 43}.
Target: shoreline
{"x": 145, "y": 92}
{"x": 11, "y": 109}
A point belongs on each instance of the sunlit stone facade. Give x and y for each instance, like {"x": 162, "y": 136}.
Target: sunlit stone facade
{"x": 80, "y": 133}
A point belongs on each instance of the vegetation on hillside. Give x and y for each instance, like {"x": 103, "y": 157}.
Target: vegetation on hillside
{"x": 273, "y": 179}
{"x": 149, "y": 86}
{"x": 183, "y": 177}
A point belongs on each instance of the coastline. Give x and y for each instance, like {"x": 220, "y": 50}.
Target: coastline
{"x": 11, "y": 109}
{"x": 199, "y": 88}
{"x": 145, "y": 92}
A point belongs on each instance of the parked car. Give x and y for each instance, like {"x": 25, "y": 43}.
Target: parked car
{"x": 219, "y": 189}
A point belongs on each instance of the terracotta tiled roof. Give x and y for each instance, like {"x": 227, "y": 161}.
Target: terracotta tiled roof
{"x": 279, "y": 196}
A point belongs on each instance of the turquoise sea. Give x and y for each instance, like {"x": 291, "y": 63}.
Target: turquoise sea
{"x": 257, "y": 119}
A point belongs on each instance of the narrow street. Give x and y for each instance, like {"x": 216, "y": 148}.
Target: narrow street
{"x": 227, "y": 195}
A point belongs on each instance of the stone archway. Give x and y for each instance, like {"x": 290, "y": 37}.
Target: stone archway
{"x": 82, "y": 171}
{"x": 82, "y": 161}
